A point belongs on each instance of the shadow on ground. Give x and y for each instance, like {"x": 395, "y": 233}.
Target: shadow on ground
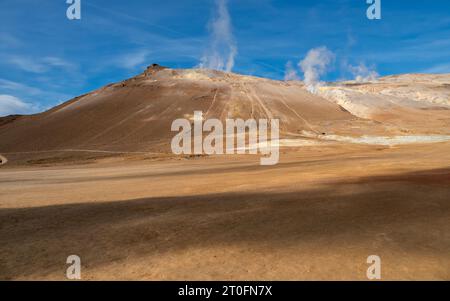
{"x": 413, "y": 210}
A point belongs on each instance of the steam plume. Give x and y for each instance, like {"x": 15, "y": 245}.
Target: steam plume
{"x": 362, "y": 73}
{"x": 315, "y": 64}
{"x": 223, "y": 48}
{"x": 290, "y": 72}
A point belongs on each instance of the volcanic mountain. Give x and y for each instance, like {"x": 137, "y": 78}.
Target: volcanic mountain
{"x": 96, "y": 175}
{"x": 136, "y": 114}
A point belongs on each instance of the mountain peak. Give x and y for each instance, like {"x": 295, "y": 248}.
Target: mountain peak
{"x": 153, "y": 68}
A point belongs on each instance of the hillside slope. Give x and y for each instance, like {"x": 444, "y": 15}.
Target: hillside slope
{"x": 136, "y": 114}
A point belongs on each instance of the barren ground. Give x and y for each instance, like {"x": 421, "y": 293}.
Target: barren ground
{"x": 318, "y": 214}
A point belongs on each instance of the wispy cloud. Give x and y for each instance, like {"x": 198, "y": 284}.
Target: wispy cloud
{"x": 40, "y": 65}
{"x": 58, "y": 62}
{"x": 133, "y": 59}
{"x": 8, "y": 41}
{"x": 8, "y": 85}
{"x": 33, "y": 99}
{"x": 27, "y": 64}
{"x": 440, "y": 68}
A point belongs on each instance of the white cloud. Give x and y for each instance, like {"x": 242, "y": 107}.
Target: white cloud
{"x": 10, "y": 105}
{"x": 316, "y": 64}
{"x": 22, "y": 91}
{"x": 223, "y": 47}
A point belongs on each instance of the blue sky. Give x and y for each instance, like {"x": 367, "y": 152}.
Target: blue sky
{"x": 46, "y": 59}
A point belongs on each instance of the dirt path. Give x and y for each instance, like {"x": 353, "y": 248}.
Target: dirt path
{"x": 77, "y": 151}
